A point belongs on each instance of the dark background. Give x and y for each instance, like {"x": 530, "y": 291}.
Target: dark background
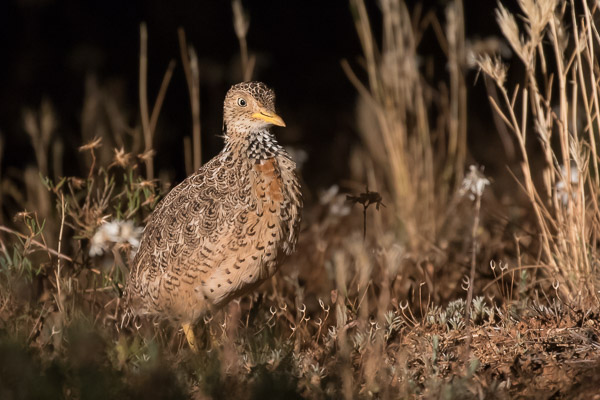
{"x": 49, "y": 47}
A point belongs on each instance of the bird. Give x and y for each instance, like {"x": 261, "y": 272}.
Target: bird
{"x": 226, "y": 228}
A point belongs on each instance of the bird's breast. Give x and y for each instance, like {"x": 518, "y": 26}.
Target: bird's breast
{"x": 268, "y": 183}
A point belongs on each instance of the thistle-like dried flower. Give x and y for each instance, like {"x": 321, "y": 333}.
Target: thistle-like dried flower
{"x": 23, "y": 215}
{"x": 121, "y": 158}
{"x": 147, "y": 155}
{"x": 150, "y": 200}
{"x": 115, "y": 232}
{"x": 474, "y": 183}
{"x": 492, "y": 67}
{"x": 77, "y": 183}
{"x": 94, "y": 144}
{"x": 145, "y": 184}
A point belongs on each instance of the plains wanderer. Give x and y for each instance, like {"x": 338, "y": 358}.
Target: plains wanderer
{"x": 226, "y": 228}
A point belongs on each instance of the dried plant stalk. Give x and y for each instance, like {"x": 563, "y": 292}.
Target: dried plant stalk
{"x": 143, "y": 88}
{"x": 241, "y": 24}
{"x": 192, "y": 76}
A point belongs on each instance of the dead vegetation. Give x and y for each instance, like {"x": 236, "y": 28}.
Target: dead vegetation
{"x": 438, "y": 293}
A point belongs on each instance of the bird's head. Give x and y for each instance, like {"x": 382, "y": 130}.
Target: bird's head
{"x": 250, "y": 107}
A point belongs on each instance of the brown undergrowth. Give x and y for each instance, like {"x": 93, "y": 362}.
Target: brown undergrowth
{"x": 372, "y": 305}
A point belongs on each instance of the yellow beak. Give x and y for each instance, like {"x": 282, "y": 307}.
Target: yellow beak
{"x": 269, "y": 117}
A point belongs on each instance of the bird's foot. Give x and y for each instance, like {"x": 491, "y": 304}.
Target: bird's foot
{"x": 189, "y": 335}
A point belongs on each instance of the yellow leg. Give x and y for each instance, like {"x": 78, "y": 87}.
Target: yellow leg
{"x": 189, "y": 335}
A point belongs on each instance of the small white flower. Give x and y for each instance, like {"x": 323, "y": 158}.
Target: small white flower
{"x": 99, "y": 243}
{"x": 115, "y": 232}
{"x": 328, "y": 195}
{"x": 474, "y": 183}
{"x": 336, "y": 201}
{"x": 131, "y": 233}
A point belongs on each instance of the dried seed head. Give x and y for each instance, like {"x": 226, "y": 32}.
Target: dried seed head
{"x": 491, "y": 45}
{"x": 77, "y": 183}
{"x": 22, "y": 215}
{"x": 94, "y": 144}
{"x": 474, "y": 183}
{"x": 492, "y": 67}
{"x": 147, "y": 155}
{"x": 537, "y": 16}
{"x": 510, "y": 30}
{"x": 115, "y": 232}
{"x": 121, "y": 158}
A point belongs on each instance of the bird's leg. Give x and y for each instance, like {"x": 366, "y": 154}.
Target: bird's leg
{"x": 189, "y": 335}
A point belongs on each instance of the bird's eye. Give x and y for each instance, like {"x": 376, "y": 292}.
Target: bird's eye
{"x": 242, "y": 102}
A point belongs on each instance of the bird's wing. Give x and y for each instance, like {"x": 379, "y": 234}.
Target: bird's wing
{"x": 182, "y": 241}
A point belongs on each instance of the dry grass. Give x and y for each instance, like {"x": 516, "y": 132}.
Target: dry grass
{"x": 423, "y": 163}
{"x": 566, "y": 202}
{"x": 352, "y": 314}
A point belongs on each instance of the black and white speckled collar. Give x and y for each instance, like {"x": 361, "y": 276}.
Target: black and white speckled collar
{"x": 261, "y": 145}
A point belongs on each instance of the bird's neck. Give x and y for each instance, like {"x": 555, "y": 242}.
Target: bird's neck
{"x": 255, "y": 145}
